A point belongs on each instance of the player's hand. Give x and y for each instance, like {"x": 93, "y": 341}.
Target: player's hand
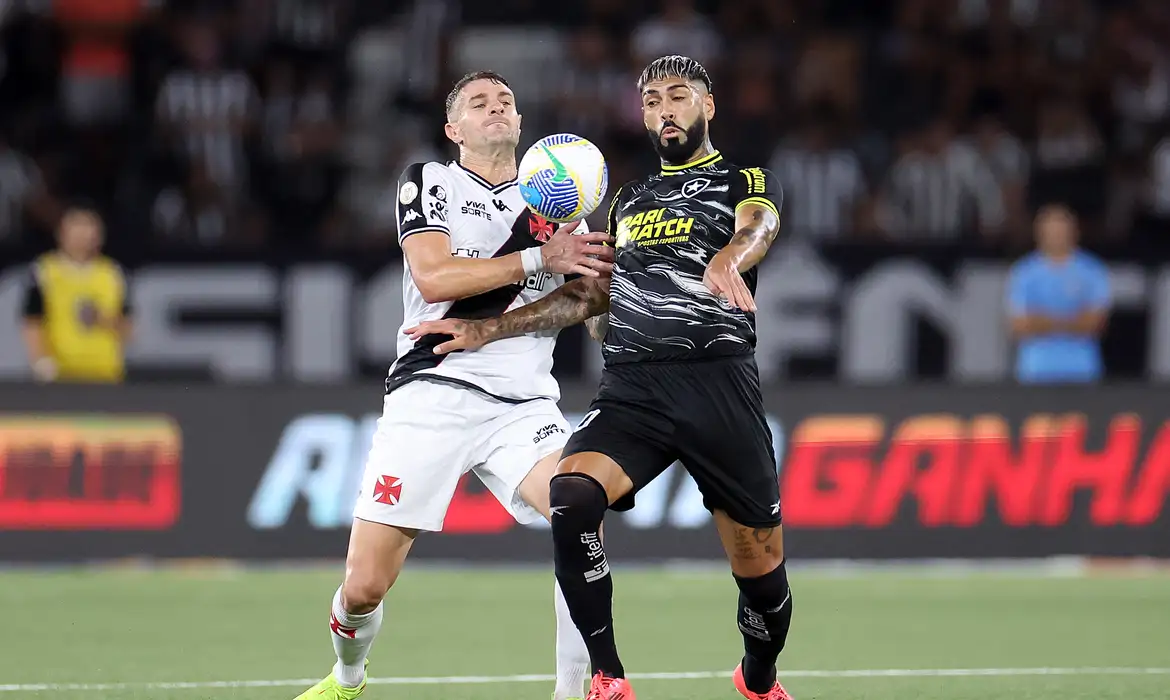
{"x": 722, "y": 278}
{"x": 45, "y": 370}
{"x": 567, "y": 253}
{"x": 465, "y": 335}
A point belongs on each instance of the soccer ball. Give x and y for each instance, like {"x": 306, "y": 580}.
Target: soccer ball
{"x": 563, "y": 177}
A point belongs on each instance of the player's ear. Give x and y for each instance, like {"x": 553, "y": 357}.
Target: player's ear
{"x": 709, "y": 106}
{"x": 452, "y": 132}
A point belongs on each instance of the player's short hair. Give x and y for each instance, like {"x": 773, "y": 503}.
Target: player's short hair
{"x": 674, "y": 67}
{"x": 453, "y": 96}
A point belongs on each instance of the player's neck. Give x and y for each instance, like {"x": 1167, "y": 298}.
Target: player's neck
{"x": 495, "y": 167}
{"x": 701, "y": 152}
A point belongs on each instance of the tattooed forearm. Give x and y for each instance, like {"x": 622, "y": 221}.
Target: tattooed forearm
{"x": 571, "y": 304}
{"x": 753, "y": 237}
{"x": 598, "y": 326}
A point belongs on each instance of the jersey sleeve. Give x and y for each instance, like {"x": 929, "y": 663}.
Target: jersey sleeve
{"x": 423, "y": 191}
{"x": 757, "y": 186}
{"x": 611, "y": 216}
{"x": 34, "y": 299}
{"x": 120, "y": 276}
{"x": 1099, "y": 293}
{"x": 1017, "y": 291}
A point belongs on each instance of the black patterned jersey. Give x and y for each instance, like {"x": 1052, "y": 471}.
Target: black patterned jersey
{"x": 667, "y": 228}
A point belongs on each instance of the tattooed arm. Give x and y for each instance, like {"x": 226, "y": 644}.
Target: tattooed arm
{"x": 759, "y": 200}
{"x": 756, "y": 227}
{"x": 569, "y": 305}
{"x": 598, "y": 326}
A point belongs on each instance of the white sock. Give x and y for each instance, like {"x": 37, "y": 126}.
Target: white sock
{"x": 352, "y": 637}
{"x": 572, "y": 654}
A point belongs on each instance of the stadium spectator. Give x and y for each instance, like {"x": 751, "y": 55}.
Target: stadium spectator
{"x": 679, "y": 25}
{"x": 1058, "y": 304}
{"x": 824, "y": 185}
{"x": 935, "y": 184}
{"x": 206, "y": 110}
{"x": 23, "y": 196}
{"x": 76, "y": 308}
{"x": 96, "y": 66}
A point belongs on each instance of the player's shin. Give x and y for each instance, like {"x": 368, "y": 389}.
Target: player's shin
{"x": 578, "y": 505}
{"x": 765, "y": 613}
{"x": 572, "y": 654}
{"x": 352, "y": 635}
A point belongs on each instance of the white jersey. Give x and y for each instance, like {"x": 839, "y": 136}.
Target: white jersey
{"x": 482, "y": 221}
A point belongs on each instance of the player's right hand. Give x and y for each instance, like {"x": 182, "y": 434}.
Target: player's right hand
{"x": 567, "y": 253}
{"x": 465, "y": 335}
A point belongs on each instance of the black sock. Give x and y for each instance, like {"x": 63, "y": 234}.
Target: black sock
{"x": 765, "y": 612}
{"x": 578, "y": 506}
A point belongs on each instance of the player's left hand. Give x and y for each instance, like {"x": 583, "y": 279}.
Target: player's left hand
{"x": 722, "y": 278}
{"x": 466, "y": 335}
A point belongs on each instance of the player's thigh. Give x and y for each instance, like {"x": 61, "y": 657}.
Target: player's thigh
{"x": 518, "y": 455}
{"x": 421, "y": 448}
{"x": 727, "y": 447}
{"x": 535, "y": 487}
{"x": 621, "y": 446}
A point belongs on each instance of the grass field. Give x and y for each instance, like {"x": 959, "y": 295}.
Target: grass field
{"x": 182, "y": 635}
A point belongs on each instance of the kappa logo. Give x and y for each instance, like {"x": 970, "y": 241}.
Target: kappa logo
{"x": 411, "y": 215}
{"x": 695, "y": 186}
{"x": 500, "y": 206}
{"x": 388, "y": 490}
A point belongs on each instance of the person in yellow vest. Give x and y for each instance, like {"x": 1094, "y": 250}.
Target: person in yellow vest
{"x": 76, "y": 310}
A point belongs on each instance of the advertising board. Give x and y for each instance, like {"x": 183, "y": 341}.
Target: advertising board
{"x": 272, "y": 472}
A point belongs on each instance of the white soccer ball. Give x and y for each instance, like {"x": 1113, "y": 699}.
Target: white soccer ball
{"x": 563, "y": 177}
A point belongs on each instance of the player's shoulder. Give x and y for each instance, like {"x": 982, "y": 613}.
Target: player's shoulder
{"x": 431, "y": 177}
{"x": 748, "y": 171}
{"x": 1091, "y": 263}
{"x": 1028, "y": 265}
{"x": 628, "y": 187}
{"x": 425, "y": 170}
{"x": 110, "y": 266}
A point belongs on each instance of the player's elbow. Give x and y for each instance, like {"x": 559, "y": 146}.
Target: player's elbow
{"x": 432, "y": 288}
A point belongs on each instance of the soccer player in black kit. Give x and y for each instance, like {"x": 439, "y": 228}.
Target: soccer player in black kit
{"x": 680, "y": 379}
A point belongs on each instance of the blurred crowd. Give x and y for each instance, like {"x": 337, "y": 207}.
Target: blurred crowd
{"x": 284, "y": 123}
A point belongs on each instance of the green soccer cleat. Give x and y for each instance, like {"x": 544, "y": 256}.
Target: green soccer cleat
{"x": 330, "y": 689}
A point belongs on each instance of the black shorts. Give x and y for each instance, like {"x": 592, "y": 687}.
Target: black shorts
{"x": 708, "y": 414}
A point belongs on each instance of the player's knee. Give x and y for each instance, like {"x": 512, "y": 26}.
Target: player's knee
{"x": 579, "y": 493}
{"x": 599, "y": 468}
{"x": 361, "y": 593}
{"x": 767, "y": 591}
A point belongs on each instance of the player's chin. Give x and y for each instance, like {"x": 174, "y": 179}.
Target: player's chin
{"x": 502, "y": 138}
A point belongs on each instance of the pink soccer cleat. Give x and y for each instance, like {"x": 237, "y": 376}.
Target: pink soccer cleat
{"x": 607, "y": 688}
{"x": 776, "y": 693}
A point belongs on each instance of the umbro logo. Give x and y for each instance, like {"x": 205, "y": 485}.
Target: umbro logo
{"x": 500, "y": 206}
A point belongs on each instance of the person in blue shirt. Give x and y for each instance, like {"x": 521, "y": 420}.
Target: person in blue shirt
{"x": 1058, "y": 299}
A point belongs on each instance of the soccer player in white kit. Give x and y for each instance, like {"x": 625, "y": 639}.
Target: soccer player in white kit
{"x": 473, "y": 250}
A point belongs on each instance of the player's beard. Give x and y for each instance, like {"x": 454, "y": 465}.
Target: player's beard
{"x": 677, "y": 151}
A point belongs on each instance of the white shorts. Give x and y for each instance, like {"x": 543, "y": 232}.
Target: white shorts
{"x": 431, "y": 434}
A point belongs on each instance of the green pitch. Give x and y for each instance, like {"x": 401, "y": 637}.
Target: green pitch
{"x": 127, "y": 634}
